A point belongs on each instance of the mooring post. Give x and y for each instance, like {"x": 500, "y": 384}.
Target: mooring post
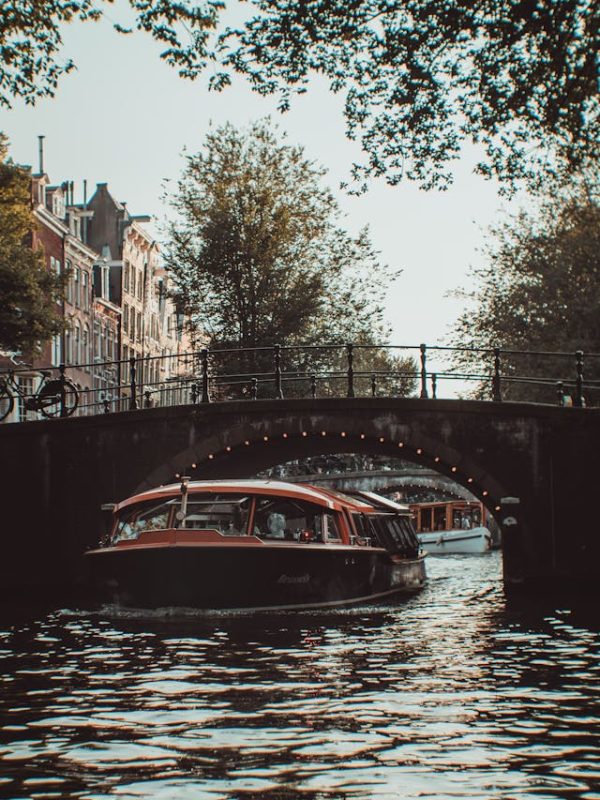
{"x": 560, "y": 393}
{"x": 313, "y": 386}
{"x": 434, "y": 385}
{"x": 205, "y": 392}
{"x": 579, "y": 401}
{"x": 496, "y": 388}
{"x": 350, "y": 357}
{"x": 423, "y": 349}
{"x": 513, "y": 551}
{"x": 373, "y": 385}
{"x": 277, "y": 368}
{"x": 132, "y": 384}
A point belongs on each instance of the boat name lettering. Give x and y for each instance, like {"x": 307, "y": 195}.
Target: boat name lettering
{"x": 294, "y": 579}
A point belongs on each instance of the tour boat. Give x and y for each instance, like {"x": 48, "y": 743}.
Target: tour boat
{"x": 452, "y": 527}
{"x": 255, "y": 544}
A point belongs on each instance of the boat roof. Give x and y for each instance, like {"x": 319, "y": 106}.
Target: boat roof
{"x": 295, "y": 491}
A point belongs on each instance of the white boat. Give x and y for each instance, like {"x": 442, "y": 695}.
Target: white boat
{"x": 452, "y": 527}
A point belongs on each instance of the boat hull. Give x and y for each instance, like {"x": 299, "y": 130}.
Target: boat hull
{"x": 473, "y": 540}
{"x": 264, "y": 577}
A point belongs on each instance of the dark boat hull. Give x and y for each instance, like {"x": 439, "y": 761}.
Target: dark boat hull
{"x": 264, "y": 577}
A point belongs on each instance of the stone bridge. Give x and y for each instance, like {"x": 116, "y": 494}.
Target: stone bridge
{"x": 57, "y": 473}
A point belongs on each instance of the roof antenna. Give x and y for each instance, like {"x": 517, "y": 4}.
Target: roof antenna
{"x": 41, "y": 141}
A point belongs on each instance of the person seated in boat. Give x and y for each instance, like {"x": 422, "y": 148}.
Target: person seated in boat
{"x": 466, "y": 523}
{"x": 276, "y": 526}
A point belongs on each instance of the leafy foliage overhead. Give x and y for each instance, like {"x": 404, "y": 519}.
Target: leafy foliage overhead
{"x": 30, "y": 38}
{"x": 29, "y": 313}
{"x": 420, "y": 78}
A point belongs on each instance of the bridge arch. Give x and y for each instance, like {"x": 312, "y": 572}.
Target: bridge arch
{"x": 242, "y": 451}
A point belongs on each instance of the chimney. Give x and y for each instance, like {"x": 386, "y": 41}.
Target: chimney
{"x": 85, "y": 222}
{"x": 41, "y": 141}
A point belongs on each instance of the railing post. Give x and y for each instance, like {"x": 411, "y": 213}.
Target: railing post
{"x": 579, "y": 380}
{"x": 254, "y": 390}
{"x": 560, "y": 393}
{"x": 423, "y": 349}
{"x": 373, "y": 385}
{"x": 205, "y": 392}
{"x": 132, "y": 384}
{"x": 147, "y": 400}
{"x": 63, "y": 398}
{"x": 434, "y": 385}
{"x": 106, "y": 404}
{"x": 350, "y": 356}
{"x": 496, "y": 388}
{"x": 313, "y": 386}
{"x": 194, "y": 393}
{"x": 277, "y": 371}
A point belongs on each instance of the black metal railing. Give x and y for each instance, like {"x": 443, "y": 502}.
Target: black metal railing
{"x": 325, "y": 370}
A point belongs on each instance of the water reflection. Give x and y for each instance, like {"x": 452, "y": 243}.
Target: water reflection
{"x": 452, "y": 693}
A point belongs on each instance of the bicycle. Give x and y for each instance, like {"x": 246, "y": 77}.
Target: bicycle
{"x": 48, "y": 399}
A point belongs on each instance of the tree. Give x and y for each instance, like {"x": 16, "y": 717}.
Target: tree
{"x": 540, "y": 291}
{"x": 258, "y": 257}
{"x": 30, "y": 39}
{"x": 420, "y": 78}
{"x": 29, "y": 313}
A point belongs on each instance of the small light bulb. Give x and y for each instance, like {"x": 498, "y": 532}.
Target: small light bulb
{"x": 454, "y": 469}
{"x": 343, "y": 433}
{"x": 419, "y": 451}
{"x": 210, "y": 455}
{"x": 266, "y": 438}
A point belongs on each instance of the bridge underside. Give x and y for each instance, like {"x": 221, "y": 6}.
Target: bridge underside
{"x": 56, "y": 474}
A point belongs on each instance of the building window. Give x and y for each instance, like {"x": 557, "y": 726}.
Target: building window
{"x": 77, "y": 344}
{"x": 69, "y": 267}
{"x": 133, "y": 280}
{"x": 68, "y": 347}
{"x": 126, "y": 316}
{"x": 106, "y": 282}
{"x": 85, "y": 297}
{"x": 140, "y": 283}
{"x": 132, "y": 323}
{"x": 26, "y": 386}
{"x": 126, "y": 276}
{"x": 97, "y": 343}
{"x": 76, "y": 289}
{"x": 86, "y": 345}
{"x": 139, "y": 326}
{"x": 56, "y": 350}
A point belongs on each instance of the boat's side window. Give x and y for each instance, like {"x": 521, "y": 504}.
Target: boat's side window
{"x": 227, "y": 514}
{"x": 282, "y": 518}
{"x": 330, "y": 529}
{"x": 133, "y": 520}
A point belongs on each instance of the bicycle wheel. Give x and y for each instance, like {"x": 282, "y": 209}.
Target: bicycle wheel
{"x": 48, "y": 398}
{"x": 7, "y": 401}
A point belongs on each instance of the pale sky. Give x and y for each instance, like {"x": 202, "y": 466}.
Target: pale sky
{"x": 124, "y": 118}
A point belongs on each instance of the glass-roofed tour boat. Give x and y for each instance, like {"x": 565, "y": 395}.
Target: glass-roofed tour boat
{"x": 255, "y": 544}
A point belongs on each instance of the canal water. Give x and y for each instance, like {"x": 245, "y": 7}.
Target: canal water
{"x": 453, "y": 693}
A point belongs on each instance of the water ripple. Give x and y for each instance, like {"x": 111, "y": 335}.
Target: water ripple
{"x": 453, "y": 693}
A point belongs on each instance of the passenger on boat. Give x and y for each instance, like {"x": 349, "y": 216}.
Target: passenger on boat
{"x": 276, "y": 526}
